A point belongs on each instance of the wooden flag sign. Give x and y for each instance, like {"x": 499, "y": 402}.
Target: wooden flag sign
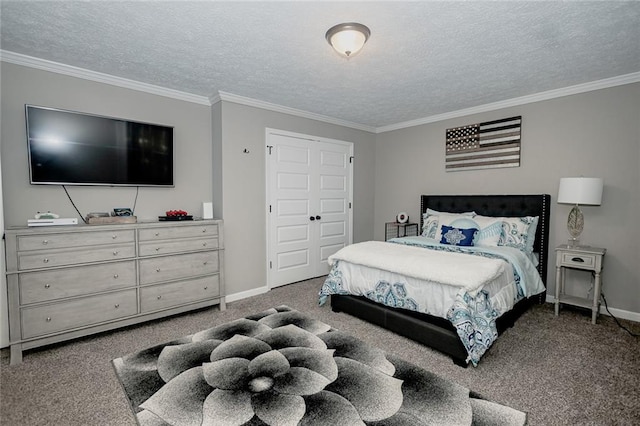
{"x": 484, "y": 146}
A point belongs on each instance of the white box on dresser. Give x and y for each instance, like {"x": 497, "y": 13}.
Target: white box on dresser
{"x": 68, "y": 282}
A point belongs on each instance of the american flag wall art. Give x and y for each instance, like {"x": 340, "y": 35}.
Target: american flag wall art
{"x": 484, "y": 146}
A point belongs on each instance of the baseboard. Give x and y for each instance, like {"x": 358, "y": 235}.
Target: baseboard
{"x": 244, "y": 294}
{"x": 618, "y": 313}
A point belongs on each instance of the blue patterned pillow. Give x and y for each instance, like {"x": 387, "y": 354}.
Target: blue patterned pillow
{"x": 458, "y": 236}
{"x": 519, "y": 232}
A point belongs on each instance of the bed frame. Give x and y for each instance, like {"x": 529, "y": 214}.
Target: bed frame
{"x": 438, "y": 333}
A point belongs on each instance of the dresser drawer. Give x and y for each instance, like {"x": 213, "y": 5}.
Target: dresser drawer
{"x": 151, "y": 248}
{"x": 74, "y": 239}
{"x": 158, "y": 269}
{"x": 578, "y": 260}
{"x": 164, "y": 296}
{"x": 172, "y": 232}
{"x": 40, "y": 320}
{"x": 68, "y": 282}
{"x": 49, "y": 258}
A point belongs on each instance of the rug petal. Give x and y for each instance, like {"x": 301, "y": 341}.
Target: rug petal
{"x": 296, "y": 318}
{"x": 179, "y": 402}
{"x": 269, "y": 364}
{"x": 429, "y": 396}
{"x": 225, "y": 331}
{"x": 174, "y": 360}
{"x": 277, "y": 409}
{"x": 350, "y": 347}
{"x": 240, "y": 346}
{"x": 328, "y": 408}
{"x": 487, "y": 413}
{"x": 320, "y": 361}
{"x": 147, "y": 418}
{"x": 374, "y": 394}
{"x": 300, "y": 381}
{"x": 291, "y": 336}
{"x": 227, "y": 374}
{"x": 222, "y": 408}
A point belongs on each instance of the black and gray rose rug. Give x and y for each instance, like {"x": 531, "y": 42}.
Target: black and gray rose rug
{"x": 281, "y": 367}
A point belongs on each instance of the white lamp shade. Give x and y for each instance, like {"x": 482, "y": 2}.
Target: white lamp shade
{"x": 580, "y": 190}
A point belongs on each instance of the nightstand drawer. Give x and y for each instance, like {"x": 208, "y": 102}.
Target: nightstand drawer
{"x": 578, "y": 260}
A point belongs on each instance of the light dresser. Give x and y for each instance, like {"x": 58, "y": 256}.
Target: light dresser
{"x": 65, "y": 282}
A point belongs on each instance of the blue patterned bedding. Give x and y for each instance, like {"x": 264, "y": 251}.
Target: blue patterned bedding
{"x": 473, "y": 314}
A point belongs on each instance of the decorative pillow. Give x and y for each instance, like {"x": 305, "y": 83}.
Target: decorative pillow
{"x": 489, "y": 228}
{"x": 431, "y": 220}
{"x": 458, "y": 236}
{"x": 519, "y": 232}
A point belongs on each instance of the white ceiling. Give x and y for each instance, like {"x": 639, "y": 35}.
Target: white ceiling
{"x": 423, "y": 59}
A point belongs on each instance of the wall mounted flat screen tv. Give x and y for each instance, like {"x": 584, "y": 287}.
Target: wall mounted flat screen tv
{"x": 72, "y": 148}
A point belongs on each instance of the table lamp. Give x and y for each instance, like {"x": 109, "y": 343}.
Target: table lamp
{"x": 579, "y": 191}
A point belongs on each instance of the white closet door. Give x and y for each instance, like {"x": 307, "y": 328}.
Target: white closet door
{"x": 308, "y": 191}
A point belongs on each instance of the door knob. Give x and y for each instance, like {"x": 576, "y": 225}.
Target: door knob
{"x": 318, "y": 217}
{"x": 312, "y": 218}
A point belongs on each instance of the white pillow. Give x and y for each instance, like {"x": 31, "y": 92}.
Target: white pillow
{"x": 517, "y": 232}
{"x": 431, "y": 221}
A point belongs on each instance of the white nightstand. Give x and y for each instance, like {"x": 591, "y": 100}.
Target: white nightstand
{"x": 579, "y": 257}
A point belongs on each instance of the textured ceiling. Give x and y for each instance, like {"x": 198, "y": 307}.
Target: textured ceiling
{"x": 423, "y": 58}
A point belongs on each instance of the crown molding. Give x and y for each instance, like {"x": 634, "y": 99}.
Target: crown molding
{"x": 229, "y": 97}
{"x": 45, "y": 65}
{"x": 537, "y": 97}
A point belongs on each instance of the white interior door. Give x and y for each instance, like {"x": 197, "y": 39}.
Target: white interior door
{"x": 4, "y": 312}
{"x": 309, "y": 213}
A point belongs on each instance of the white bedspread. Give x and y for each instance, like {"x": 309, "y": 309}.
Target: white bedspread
{"x": 456, "y": 269}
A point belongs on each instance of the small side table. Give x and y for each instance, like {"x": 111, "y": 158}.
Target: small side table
{"x": 579, "y": 257}
{"x": 395, "y": 229}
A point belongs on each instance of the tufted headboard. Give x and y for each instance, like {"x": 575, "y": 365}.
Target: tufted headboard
{"x": 500, "y": 205}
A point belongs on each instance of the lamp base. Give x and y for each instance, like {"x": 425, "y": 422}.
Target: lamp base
{"x": 575, "y": 224}
{"x": 573, "y": 242}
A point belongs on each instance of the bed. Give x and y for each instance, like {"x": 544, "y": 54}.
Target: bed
{"x": 436, "y": 329}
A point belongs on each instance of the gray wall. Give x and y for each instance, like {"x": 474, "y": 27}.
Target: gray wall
{"x": 192, "y": 143}
{"x": 595, "y": 134}
{"x": 244, "y": 192}
{"x": 210, "y": 164}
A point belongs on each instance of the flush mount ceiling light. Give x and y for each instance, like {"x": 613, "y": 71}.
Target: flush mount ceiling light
{"x": 348, "y": 38}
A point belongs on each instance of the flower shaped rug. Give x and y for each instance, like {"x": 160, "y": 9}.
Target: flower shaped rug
{"x": 281, "y": 367}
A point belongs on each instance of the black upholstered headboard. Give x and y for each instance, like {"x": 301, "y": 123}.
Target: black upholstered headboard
{"x": 500, "y": 205}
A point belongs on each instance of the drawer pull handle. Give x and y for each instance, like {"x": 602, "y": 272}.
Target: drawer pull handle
{"x": 159, "y": 297}
{"x": 115, "y": 253}
{"x": 47, "y": 285}
{"x": 206, "y": 287}
{"x": 117, "y": 305}
{"x": 158, "y": 270}
{"x": 115, "y": 276}
{"x": 157, "y": 248}
{"x": 46, "y": 260}
{"x": 45, "y": 242}
{"x": 48, "y": 319}
{"x": 205, "y": 262}
{"x": 157, "y": 234}
{"x": 577, "y": 259}
{"x": 114, "y": 236}
{"x": 204, "y": 244}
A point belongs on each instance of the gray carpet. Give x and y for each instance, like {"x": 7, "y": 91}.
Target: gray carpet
{"x": 559, "y": 370}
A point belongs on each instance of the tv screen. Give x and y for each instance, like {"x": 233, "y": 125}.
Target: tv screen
{"x": 72, "y": 148}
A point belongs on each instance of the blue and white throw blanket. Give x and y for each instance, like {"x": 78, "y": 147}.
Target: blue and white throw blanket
{"x": 469, "y": 286}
